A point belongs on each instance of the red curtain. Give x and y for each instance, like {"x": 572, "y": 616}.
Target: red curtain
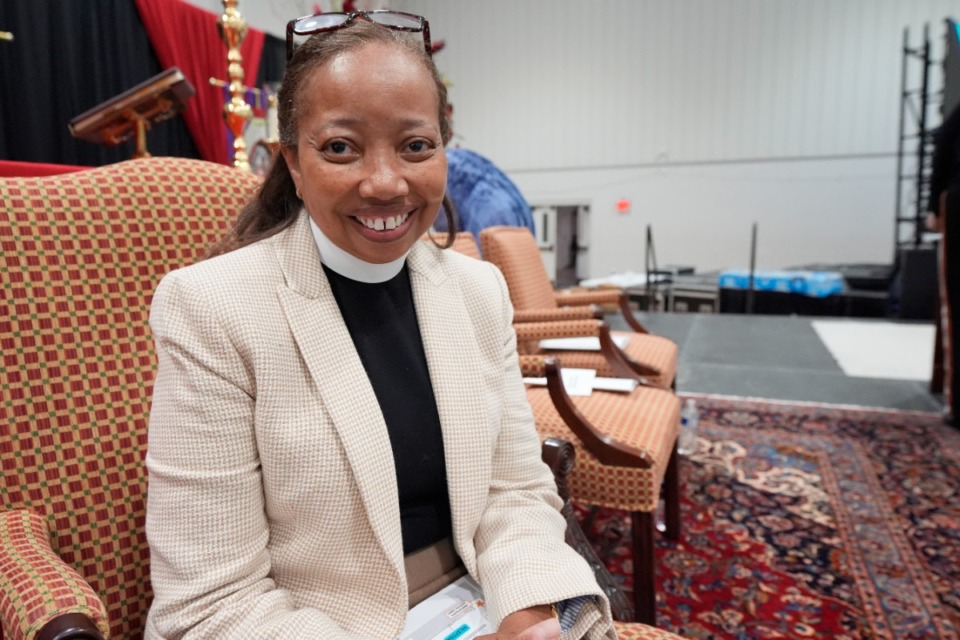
{"x": 186, "y": 36}
{"x": 19, "y": 169}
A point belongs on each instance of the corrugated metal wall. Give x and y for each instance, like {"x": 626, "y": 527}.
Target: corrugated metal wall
{"x": 545, "y": 83}
{"x": 709, "y": 115}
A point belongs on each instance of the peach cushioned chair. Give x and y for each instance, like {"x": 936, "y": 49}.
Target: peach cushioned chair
{"x": 555, "y": 323}
{"x": 559, "y": 455}
{"x": 81, "y": 256}
{"x": 463, "y": 242}
{"x": 627, "y": 442}
{"x": 626, "y": 452}
{"x": 514, "y": 250}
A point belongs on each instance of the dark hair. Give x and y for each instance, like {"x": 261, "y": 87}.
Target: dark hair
{"x": 276, "y": 205}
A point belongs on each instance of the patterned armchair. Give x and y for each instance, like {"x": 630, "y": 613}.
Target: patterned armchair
{"x": 559, "y": 455}
{"x": 81, "y": 256}
{"x": 534, "y": 325}
{"x": 627, "y": 443}
{"x": 627, "y": 454}
{"x": 514, "y": 250}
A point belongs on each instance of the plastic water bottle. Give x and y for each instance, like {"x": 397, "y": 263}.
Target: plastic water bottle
{"x": 689, "y": 421}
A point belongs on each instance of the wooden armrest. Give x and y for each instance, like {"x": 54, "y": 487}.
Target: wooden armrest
{"x": 603, "y": 296}
{"x": 70, "y": 626}
{"x": 619, "y": 362}
{"x": 559, "y": 455}
{"x": 584, "y": 312}
{"x": 605, "y": 449}
{"x": 627, "y": 313}
{"x": 41, "y": 596}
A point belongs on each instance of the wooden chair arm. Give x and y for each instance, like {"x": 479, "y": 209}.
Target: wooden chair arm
{"x": 619, "y": 362}
{"x": 605, "y": 449}
{"x": 584, "y": 312}
{"x": 603, "y": 296}
{"x": 41, "y": 596}
{"x": 70, "y": 626}
{"x": 627, "y": 314}
{"x": 559, "y": 455}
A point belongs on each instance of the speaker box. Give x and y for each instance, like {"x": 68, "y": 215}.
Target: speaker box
{"x": 916, "y": 283}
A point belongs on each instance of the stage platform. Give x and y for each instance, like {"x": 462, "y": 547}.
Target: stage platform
{"x": 866, "y": 293}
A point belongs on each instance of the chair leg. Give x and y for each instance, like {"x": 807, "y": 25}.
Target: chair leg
{"x": 671, "y": 496}
{"x": 644, "y": 583}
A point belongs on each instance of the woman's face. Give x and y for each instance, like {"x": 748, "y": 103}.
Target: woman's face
{"x": 369, "y": 162}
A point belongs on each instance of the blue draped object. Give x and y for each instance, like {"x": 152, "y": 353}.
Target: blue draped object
{"x": 484, "y": 195}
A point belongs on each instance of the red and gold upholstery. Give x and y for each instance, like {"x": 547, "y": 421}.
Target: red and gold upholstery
{"x": 514, "y": 250}
{"x": 27, "y": 559}
{"x": 81, "y": 256}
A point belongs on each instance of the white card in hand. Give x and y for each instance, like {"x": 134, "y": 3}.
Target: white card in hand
{"x": 456, "y": 611}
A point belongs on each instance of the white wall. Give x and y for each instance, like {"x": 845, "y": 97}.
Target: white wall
{"x": 708, "y": 115}
{"x": 701, "y": 215}
{"x": 272, "y": 15}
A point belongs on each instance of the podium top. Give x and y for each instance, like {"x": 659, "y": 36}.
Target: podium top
{"x": 151, "y": 101}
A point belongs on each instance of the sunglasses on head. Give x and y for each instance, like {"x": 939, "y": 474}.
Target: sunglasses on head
{"x": 321, "y": 22}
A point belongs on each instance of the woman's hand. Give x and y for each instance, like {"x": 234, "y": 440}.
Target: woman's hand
{"x": 533, "y": 623}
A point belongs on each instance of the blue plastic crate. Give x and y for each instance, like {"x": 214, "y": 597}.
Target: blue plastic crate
{"x": 815, "y": 284}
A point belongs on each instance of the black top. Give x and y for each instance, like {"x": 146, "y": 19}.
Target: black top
{"x": 382, "y": 321}
{"x": 945, "y": 168}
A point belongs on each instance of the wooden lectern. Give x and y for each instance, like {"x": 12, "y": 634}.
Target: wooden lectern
{"x": 134, "y": 111}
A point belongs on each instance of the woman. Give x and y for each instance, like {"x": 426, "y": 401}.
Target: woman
{"x": 336, "y": 401}
{"x": 944, "y": 207}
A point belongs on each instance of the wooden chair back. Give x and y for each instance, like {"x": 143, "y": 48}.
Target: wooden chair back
{"x": 514, "y": 250}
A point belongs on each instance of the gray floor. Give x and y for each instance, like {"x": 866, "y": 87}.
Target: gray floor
{"x": 774, "y": 357}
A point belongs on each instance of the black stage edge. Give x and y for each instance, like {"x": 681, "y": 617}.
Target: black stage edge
{"x": 914, "y": 289}
{"x": 868, "y": 295}
{"x": 854, "y": 303}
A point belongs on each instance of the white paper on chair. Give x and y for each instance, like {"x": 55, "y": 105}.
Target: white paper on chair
{"x": 621, "y": 385}
{"x": 456, "y": 611}
{"x": 577, "y": 382}
{"x": 581, "y": 344}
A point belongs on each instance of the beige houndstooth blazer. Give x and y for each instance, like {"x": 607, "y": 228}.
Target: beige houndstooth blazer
{"x": 273, "y": 509}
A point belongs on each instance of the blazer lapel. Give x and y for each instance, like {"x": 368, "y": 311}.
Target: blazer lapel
{"x": 454, "y": 364}
{"x": 341, "y": 380}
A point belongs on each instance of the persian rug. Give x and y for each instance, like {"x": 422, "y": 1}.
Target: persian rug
{"x": 808, "y": 521}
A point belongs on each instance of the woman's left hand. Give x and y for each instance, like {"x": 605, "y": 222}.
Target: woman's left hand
{"x": 533, "y": 623}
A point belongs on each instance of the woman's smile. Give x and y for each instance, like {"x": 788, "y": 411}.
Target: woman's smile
{"x": 384, "y": 226}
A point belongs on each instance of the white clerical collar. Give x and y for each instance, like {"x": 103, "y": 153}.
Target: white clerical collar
{"x": 350, "y": 266}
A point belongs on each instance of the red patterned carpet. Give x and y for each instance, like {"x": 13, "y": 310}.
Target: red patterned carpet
{"x": 809, "y": 521}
